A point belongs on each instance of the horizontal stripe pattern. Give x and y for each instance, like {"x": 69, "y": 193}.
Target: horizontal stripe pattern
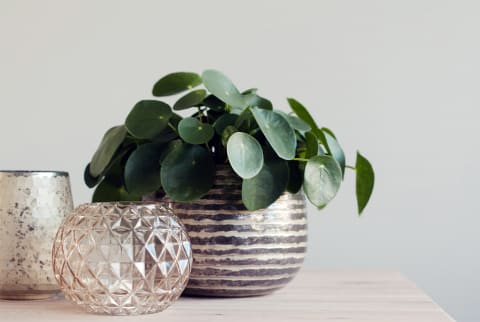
{"x": 237, "y": 252}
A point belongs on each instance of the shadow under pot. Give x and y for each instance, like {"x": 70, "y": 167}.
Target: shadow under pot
{"x": 237, "y": 252}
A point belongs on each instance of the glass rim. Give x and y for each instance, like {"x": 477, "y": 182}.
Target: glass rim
{"x": 51, "y": 172}
{"x": 127, "y": 203}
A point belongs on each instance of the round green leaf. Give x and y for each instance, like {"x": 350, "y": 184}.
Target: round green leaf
{"x": 90, "y": 180}
{"x": 311, "y": 143}
{"x": 227, "y": 133}
{"x": 278, "y": 132}
{"x": 335, "y": 149}
{"x": 327, "y": 130}
{"x": 223, "y": 121}
{"x": 148, "y": 119}
{"x": 191, "y": 99}
{"x": 295, "y": 122}
{"x": 172, "y": 145}
{"x": 365, "y": 180}
{"x": 187, "y": 172}
{"x": 107, "y": 191}
{"x": 321, "y": 138}
{"x": 220, "y": 86}
{"x": 167, "y": 135}
{"x": 245, "y": 121}
{"x": 262, "y": 190}
{"x": 104, "y": 154}
{"x": 250, "y": 91}
{"x": 302, "y": 112}
{"x": 212, "y": 102}
{"x": 298, "y": 124}
{"x": 322, "y": 179}
{"x": 237, "y": 110}
{"x": 254, "y": 100}
{"x": 245, "y": 155}
{"x": 142, "y": 170}
{"x": 192, "y": 131}
{"x": 115, "y": 170}
{"x": 176, "y": 83}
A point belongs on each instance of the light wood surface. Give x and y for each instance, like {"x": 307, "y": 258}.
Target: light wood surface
{"x": 315, "y": 295}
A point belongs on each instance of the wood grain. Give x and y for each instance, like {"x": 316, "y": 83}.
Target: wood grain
{"x": 314, "y": 295}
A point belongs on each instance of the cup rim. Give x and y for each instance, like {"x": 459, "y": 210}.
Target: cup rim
{"x": 32, "y": 172}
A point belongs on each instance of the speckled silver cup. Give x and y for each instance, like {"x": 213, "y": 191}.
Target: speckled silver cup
{"x": 33, "y": 204}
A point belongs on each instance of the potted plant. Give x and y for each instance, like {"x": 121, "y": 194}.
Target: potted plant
{"x": 233, "y": 171}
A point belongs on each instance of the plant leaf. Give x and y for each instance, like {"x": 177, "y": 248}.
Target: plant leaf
{"x": 227, "y": 133}
{"x": 322, "y": 139}
{"x": 194, "y": 98}
{"x": 106, "y": 150}
{"x": 295, "y": 122}
{"x": 192, "y": 131}
{"x": 90, "y": 180}
{"x": 311, "y": 143}
{"x": 219, "y": 85}
{"x": 142, "y": 170}
{"x": 176, "y": 83}
{"x": 327, "y": 130}
{"x": 255, "y": 100}
{"x": 212, "y": 102}
{"x": 335, "y": 149}
{"x": 148, "y": 119}
{"x": 298, "y": 124}
{"x": 107, "y": 191}
{"x": 245, "y": 120}
{"x": 365, "y": 181}
{"x": 250, "y": 91}
{"x": 278, "y": 132}
{"x": 244, "y": 154}
{"x": 262, "y": 190}
{"x": 304, "y": 115}
{"x": 322, "y": 179}
{"x": 302, "y": 112}
{"x": 223, "y": 121}
{"x": 187, "y": 172}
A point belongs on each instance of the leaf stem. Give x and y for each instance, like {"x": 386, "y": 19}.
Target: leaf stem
{"x": 350, "y": 167}
{"x": 300, "y": 159}
{"x": 170, "y": 125}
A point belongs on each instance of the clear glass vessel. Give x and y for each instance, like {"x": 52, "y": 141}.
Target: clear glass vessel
{"x": 33, "y": 204}
{"x": 122, "y": 258}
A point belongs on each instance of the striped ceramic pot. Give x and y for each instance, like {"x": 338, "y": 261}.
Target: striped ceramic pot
{"x": 237, "y": 252}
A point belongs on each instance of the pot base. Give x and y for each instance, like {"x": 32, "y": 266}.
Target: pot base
{"x": 28, "y": 295}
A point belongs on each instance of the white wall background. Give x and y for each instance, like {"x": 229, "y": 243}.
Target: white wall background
{"x": 397, "y": 79}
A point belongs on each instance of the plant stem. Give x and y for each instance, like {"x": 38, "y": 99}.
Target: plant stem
{"x": 300, "y": 159}
{"x": 350, "y": 167}
{"x": 170, "y": 125}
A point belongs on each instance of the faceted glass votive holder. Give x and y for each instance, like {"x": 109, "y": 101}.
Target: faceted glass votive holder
{"x": 122, "y": 258}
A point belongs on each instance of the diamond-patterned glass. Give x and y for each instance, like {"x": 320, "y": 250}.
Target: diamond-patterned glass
{"x": 122, "y": 258}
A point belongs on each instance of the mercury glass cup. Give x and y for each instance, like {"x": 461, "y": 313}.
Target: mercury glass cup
{"x": 33, "y": 204}
{"x": 122, "y": 258}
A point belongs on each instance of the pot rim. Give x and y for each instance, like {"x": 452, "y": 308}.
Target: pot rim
{"x": 35, "y": 172}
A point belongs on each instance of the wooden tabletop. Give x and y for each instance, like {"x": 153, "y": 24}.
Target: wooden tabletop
{"x": 315, "y": 295}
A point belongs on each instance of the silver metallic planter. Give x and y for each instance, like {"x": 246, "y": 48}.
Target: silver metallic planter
{"x": 237, "y": 252}
{"x": 32, "y": 207}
